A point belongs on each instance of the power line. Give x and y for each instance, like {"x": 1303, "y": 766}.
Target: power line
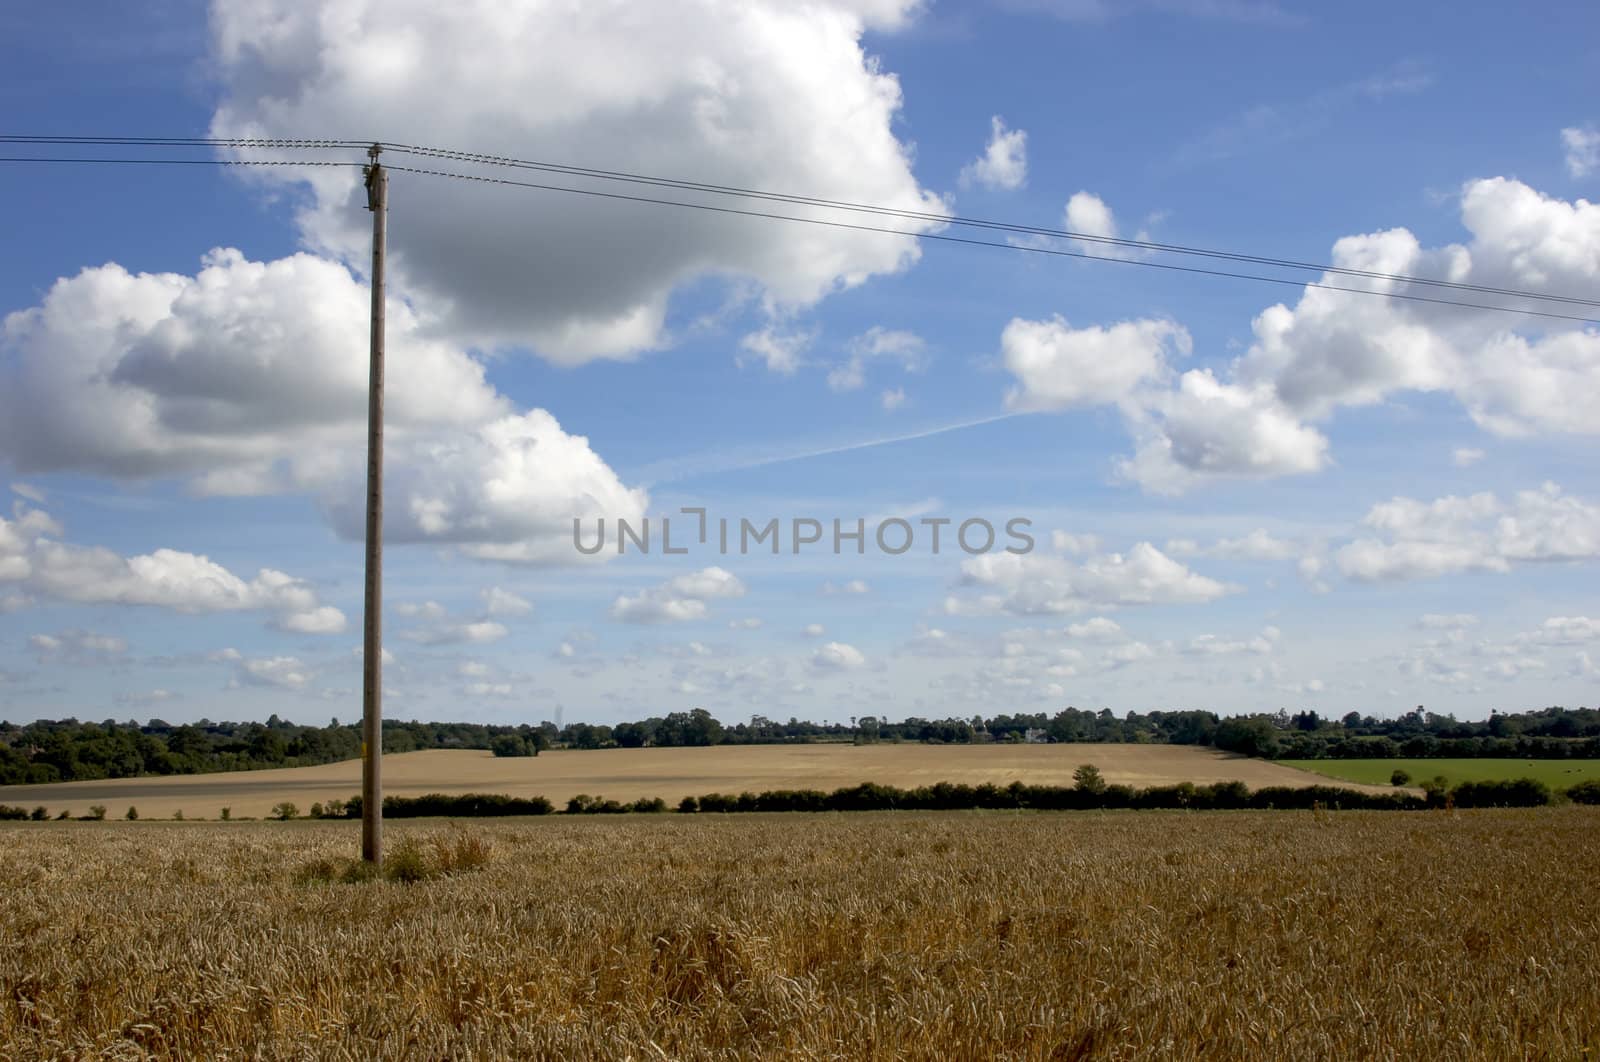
{"x": 952, "y": 219}
{"x": 296, "y": 144}
{"x": 186, "y": 162}
{"x": 742, "y": 192}
{"x": 945, "y": 238}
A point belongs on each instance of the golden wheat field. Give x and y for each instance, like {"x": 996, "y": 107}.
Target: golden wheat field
{"x": 669, "y": 773}
{"x": 1155, "y": 935}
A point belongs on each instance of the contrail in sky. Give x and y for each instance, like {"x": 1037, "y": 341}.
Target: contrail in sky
{"x": 677, "y": 469}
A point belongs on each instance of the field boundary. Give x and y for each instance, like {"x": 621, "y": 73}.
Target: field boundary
{"x": 1091, "y": 794}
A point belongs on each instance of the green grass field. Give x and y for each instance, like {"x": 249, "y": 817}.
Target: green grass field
{"x": 1557, "y": 774}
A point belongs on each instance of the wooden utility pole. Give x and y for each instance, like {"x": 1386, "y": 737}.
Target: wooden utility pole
{"x": 372, "y": 643}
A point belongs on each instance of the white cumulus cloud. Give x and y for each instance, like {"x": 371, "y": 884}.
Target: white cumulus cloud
{"x": 1004, "y": 162}
{"x": 34, "y": 559}
{"x": 1043, "y": 584}
{"x": 1091, "y": 217}
{"x": 757, "y": 94}
{"x": 225, "y": 375}
{"x": 1257, "y": 545}
{"x": 500, "y": 602}
{"x": 1060, "y": 367}
{"x": 1257, "y": 417}
{"x": 251, "y": 378}
{"x": 838, "y": 656}
{"x": 1513, "y": 376}
{"x": 680, "y": 599}
{"x": 783, "y": 352}
{"x": 1412, "y": 539}
{"x": 479, "y": 632}
{"x": 877, "y": 342}
{"x": 1209, "y": 429}
{"x": 286, "y": 672}
{"x": 78, "y": 643}
{"x": 1582, "y": 145}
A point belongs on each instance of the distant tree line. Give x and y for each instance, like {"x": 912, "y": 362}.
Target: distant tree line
{"x": 67, "y": 750}
{"x": 699, "y": 727}
{"x": 1549, "y": 733}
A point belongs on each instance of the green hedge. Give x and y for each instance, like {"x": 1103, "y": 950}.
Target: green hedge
{"x": 1585, "y": 792}
{"x": 458, "y": 805}
{"x": 947, "y": 796}
{"x": 951, "y": 796}
{"x": 1509, "y": 793}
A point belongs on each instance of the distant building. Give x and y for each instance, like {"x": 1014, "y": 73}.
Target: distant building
{"x": 1036, "y": 736}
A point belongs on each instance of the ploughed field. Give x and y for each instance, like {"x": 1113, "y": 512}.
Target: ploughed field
{"x": 923, "y": 935}
{"x": 669, "y": 773}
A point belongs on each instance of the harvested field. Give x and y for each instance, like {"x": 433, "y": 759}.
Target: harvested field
{"x": 1156, "y": 935}
{"x": 670, "y": 773}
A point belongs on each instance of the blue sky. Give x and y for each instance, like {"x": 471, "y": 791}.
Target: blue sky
{"x": 1243, "y": 496}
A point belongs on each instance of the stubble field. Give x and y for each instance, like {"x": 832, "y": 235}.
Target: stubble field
{"x": 1154, "y": 935}
{"x": 669, "y": 773}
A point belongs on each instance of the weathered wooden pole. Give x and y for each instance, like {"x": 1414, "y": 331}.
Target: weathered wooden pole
{"x": 372, "y": 641}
